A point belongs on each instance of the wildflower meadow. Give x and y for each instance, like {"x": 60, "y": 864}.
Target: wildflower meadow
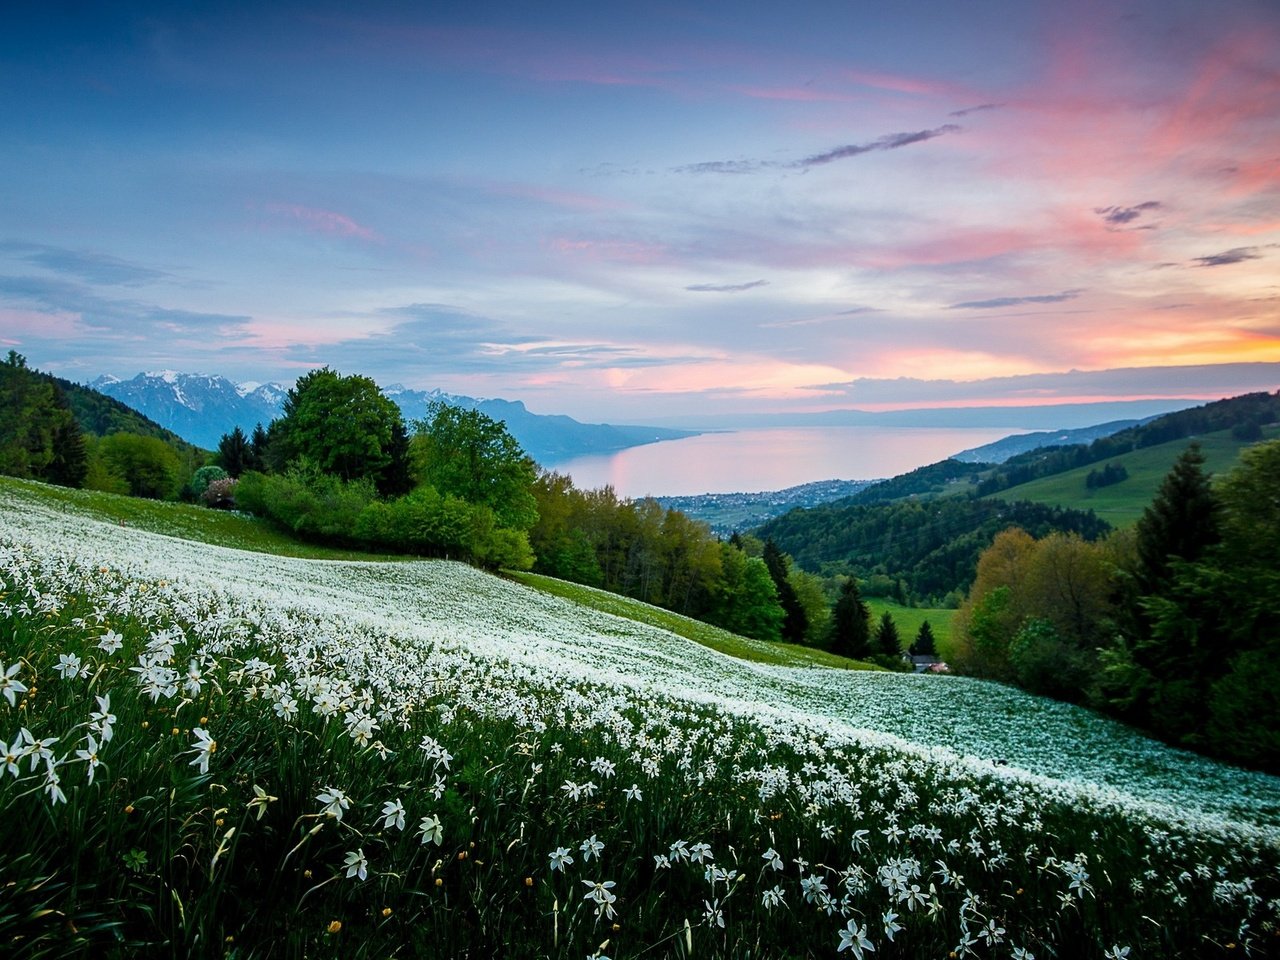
{"x": 212, "y": 753}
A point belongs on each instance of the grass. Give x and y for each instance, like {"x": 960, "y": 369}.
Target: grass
{"x": 1122, "y": 503}
{"x": 270, "y": 716}
{"x": 744, "y": 648}
{"x": 908, "y": 619}
{"x": 222, "y": 528}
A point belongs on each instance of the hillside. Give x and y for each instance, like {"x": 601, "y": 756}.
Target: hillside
{"x": 419, "y": 756}
{"x": 1122, "y": 503}
{"x": 99, "y": 414}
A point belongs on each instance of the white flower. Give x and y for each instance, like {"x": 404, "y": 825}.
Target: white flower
{"x": 772, "y": 898}
{"x": 772, "y": 859}
{"x": 854, "y": 937}
{"x": 69, "y": 666}
{"x": 431, "y": 830}
{"x": 102, "y": 718}
{"x": 393, "y": 815}
{"x": 335, "y": 802}
{"x": 286, "y": 708}
{"x": 52, "y": 785}
{"x": 633, "y": 792}
{"x": 591, "y": 848}
{"x": 9, "y": 757}
{"x": 891, "y": 924}
{"x": 203, "y": 748}
{"x": 357, "y": 865}
{"x": 110, "y": 642}
{"x": 601, "y": 895}
{"x": 560, "y": 858}
{"x": 260, "y": 800}
{"x": 194, "y": 681}
{"x": 714, "y": 914}
{"x": 9, "y": 686}
{"x": 1116, "y": 953}
{"x": 90, "y": 755}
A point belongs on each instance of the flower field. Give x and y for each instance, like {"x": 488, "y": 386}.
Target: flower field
{"x": 206, "y": 752}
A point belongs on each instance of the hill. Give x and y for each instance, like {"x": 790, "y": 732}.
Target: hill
{"x": 100, "y": 415}
{"x": 1122, "y": 503}
{"x": 202, "y": 408}
{"x": 367, "y": 757}
{"x": 1001, "y": 450}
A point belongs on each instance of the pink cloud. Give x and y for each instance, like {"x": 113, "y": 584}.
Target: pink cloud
{"x": 326, "y": 222}
{"x": 59, "y": 325}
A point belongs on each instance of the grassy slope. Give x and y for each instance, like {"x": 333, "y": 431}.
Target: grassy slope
{"x": 757, "y": 651}
{"x": 1122, "y": 504}
{"x": 187, "y": 521}
{"x": 241, "y": 532}
{"x": 908, "y": 619}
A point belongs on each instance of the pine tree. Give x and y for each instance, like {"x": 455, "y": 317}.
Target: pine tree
{"x": 850, "y": 623}
{"x": 887, "y": 641}
{"x": 795, "y": 621}
{"x": 233, "y": 451}
{"x": 1181, "y": 523}
{"x": 924, "y": 644}
{"x": 257, "y": 457}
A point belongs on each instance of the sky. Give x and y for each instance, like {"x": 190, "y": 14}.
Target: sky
{"x": 639, "y": 211}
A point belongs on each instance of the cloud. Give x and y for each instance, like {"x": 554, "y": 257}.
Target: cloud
{"x": 726, "y": 287}
{"x": 97, "y": 268}
{"x": 892, "y": 141}
{"x": 116, "y": 319}
{"x": 1000, "y": 302}
{"x": 1119, "y": 216}
{"x": 1209, "y": 381}
{"x": 1235, "y": 255}
{"x": 326, "y": 222}
{"x": 979, "y": 108}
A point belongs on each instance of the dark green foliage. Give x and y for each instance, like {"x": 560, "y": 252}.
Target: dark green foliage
{"x": 924, "y": 644}
{"x": 1180, "y": 524}
{"x": 1041, "y": 661}
{"x": 850, "y": 623}
{"x": 396, "y": 478}
{"x": 934, "y": 478}
{"x": 746, "y": 599}
{"x": 1108, "y": 476}
{"x": 341, "y": 424}
{"x": 233, "y": 452}
{"x": 932, "y": 545}
{"x": 148, "y": 466}
{"x": 795, "y": 623}
{"x": 39, "y": 436}
{"x": 472, "y": 456}
{"x": 256, "y": 455}
{"x": 887, "y": 640}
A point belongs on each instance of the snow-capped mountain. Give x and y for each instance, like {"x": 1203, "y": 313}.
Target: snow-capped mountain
{"x": 201, "y": 408}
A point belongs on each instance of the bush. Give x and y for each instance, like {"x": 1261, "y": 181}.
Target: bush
{"x": 201, "y": 479}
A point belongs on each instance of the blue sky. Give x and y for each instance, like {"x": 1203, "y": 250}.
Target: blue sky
{"x": 629, "y": 211}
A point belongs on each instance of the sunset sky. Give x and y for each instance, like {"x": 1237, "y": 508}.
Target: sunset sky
{"x": 633, "y": 211}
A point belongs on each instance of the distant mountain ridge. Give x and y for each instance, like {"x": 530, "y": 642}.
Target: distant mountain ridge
{"x": 1001, "y": 450}
{"x": 202, "y": 407}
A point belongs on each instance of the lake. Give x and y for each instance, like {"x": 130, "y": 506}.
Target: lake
{"x": 772, "y": 458}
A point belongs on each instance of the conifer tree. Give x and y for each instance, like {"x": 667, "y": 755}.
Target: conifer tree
{"x": 233, "y": 451}
{"x": 887, "y": 640}
{"x": 1181, "y": 522}
{"x": 795, "y": 621}
{"x": 924, "y": 644}
{"x": 851, "y": 623}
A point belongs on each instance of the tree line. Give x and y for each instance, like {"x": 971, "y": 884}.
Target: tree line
{"x": 1173, "y": 625}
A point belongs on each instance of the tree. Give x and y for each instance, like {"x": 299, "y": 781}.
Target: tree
{"x": 887, "y": 641}
{"x": 39, "y": 435}
{"x": 344, "y": 425}
{"x": 233, "y": 452}
{"x": 795, "y": 623}
{"x": 472, "y": 456}
{"x": 924, "y": 644}
{"x": 149, "y": 466}
{"x": 850, "y": 623}
{"x": 1180, "y": 524}
{"x": 256, "y": 455}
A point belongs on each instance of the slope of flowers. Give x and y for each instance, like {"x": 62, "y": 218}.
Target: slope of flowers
{"x": 218, "y": 753}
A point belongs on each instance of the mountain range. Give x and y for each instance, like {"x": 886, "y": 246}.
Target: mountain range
{"x": 200, "y": 408}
